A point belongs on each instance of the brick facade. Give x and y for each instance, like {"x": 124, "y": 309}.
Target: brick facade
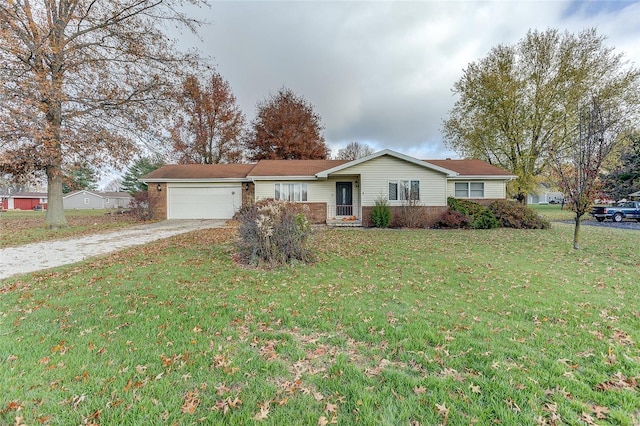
{"x": 315, "y": 212}
{"x": 248, "y": 193}
{"x": 158, "y": 200}
{"x": 428, "y": 215}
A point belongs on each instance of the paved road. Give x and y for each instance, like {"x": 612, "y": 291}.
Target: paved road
{"x": 49, "y": 254}
{"x": 625, "y": 224}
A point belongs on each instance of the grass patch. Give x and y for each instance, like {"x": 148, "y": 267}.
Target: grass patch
{"x": 389, "y": 327}
{"x": 24, "y": 227}
{"x": 555, "y": 212}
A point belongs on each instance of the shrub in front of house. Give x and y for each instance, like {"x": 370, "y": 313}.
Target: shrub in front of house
{"x": 381, "y": 213}
{"x": 141, "y": 206}
{"x": 484, "y": 220}
{"x": 480, "y": 216}
{"x": 453, "y": 219}
{"x": 273, "y": 233}
{"x": 515, "y": 215}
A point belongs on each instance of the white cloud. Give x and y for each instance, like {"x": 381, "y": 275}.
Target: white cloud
{"x": 382, "y": 72}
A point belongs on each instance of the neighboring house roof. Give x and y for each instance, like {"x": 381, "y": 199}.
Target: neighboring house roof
{"x": 116, "y": 194}
{"x": 309, "y": 168}
{"x": 26, "y": 195}
{"x": 199, "y": 171}
{"x": 99, "y": 194}
{"x": 635, "y": 194}
{"x": 471, "y": 167}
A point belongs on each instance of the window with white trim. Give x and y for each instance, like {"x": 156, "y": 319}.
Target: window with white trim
{"x": 469, "y": 189}
{"x": 86, "y": 201}
{"x": 291, "y": 191}
{"x": 402, "y": 190}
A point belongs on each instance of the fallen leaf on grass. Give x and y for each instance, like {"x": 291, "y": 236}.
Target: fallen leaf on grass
{"x": 600, "y": 412}
{"x": 443, "y": 411}
{"x": 330, "y": 408}
{"x": 11, "y": 406}
{"x": 618, "y": 381}
{"x": 419, "y": 390}
{"x": 587, "y": 419}
{"x": 265, "y": 409}
{"x": 191, "y": 402}
{"x": 322, "y": 421}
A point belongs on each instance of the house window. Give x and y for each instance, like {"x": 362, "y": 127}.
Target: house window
{"x": 86, "y": 201}
{"x": 469, "y": 190}
{"x": 402, "y": 190}
{"x": 291, "y": 191}
{"x": 106, "y": 200}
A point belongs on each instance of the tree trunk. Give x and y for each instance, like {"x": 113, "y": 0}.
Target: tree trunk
{"x": 576, "y": 233}
{"x": 55, "y": 217}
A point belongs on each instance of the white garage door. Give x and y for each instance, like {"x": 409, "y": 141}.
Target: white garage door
{"x": 203, "y": 202}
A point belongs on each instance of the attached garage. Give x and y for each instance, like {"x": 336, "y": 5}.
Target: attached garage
{"x": 203, "y": 202}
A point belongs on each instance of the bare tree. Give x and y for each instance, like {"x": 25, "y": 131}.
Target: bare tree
{"x": 353, "y": 151}
{"x": 286, "y": 127}
{"x": 211, "y": 129}
{"x": 578, "y": 164}
{"x": 83, "y": 80}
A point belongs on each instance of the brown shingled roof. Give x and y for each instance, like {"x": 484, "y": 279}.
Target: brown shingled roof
{"x": 293, "y": 167}
{"x": 200, "y": 171}
{"x": 470, "y": 167}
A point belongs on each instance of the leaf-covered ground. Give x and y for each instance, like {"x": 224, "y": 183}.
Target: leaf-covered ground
{"x": 26, "y": 227}
{"x": 389, "y": 327}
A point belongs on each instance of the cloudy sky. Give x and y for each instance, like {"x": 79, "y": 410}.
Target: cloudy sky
{"x": 381, "y": 72}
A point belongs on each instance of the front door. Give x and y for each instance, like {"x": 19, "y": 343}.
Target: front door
{"x": 344, "y": 199}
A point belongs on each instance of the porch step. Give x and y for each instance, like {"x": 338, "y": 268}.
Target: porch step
{"x": 345, "y": 223}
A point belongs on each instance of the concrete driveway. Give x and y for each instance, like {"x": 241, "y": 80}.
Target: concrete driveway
{"x": 49, "y": 254}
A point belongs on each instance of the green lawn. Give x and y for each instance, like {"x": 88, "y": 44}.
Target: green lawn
{"x": 394, "y": 327}
{"x": 555, "y": 212}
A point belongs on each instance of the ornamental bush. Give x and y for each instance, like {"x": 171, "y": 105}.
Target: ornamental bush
{"x": 453, "y": 219}
{"x": 381, "y": 213}
{"x": 515, "y": 215}
{"x": 480, "y": 216}
{"x": 273, "y": 233}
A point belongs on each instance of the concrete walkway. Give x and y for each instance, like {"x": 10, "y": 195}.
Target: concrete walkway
{"x": 50, "y": 254}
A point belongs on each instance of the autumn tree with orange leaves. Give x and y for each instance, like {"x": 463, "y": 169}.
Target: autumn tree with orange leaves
{"x": 84, "y": 80}
{"x": 211, "y": 126}
{"x": 287, "y": 128}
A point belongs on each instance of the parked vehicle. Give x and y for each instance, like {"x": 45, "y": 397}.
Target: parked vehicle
{"x": 626, "y": 210}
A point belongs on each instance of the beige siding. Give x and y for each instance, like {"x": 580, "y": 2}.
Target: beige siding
{"x": 493, "y": 189}
{"x": 320, "y": 191}
{"x": 375, "y": 176}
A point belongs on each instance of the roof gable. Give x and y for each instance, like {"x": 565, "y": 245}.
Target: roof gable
{"x": 412, "y": 160}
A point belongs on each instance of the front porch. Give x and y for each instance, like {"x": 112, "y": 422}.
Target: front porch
{"x": 344, "y": 215}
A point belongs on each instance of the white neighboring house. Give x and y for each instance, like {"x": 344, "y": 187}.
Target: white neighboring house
{"x": 544, "y": 195}
{"x": 87, "y": 200}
